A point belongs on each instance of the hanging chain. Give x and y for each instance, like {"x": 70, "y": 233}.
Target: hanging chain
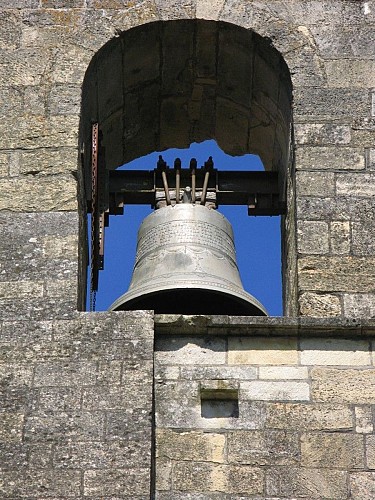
{"x": 94, "y": 187}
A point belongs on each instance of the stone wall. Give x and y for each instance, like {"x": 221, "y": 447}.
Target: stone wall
{"x": 304, "y": 425}
{"x": 76, "y": 407}
{"x": 46, "y": 48}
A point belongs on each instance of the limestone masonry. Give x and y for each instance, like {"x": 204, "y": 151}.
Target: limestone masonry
{"x": 128, "y": 405}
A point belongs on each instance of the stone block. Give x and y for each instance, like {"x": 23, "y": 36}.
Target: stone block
{"x": 263, "y": 447}
{"x": 359, "y": 305}
{"x": 58, "y": 400}
{"x": 24, "y": 332}
{"x": 36, "y": 194}
{"x": 131, "y": 452}
{"x": 340, "y": 237}
{"x": 283, "y": 372}
{"x": 262, "y": 351}
{"x": 121, "y": 423}
{"x": 177, "y": 404}
{"x": 64, "y": 99}
{"x": 109, "y": 372}
{"x": 218, "y": 372}
{"x": 363, "y": 419}
{"x": 362, "y": 185}
{"x": 332, "y": 450}
{"x": 370, "y": 159}
{"x": 11, "y": 427}
{"x": 79, "y": 373}
{"x": 350, "y": 73}
{"x": 48, "y": 161}
{"x": 310, "y": 183}
{"x": 40, "y": 484}
{"x": 32, "y": 132}
{"x": 275, "y": 391}
{"x": 322, "y": 134}
{"x": 329, "y": 158}
{"x": 345, "y": 273}
{"x": 294, "y": 482}
{"x": 321, "y": 305}
{"x": 313, "y": 237}
{"x": 209, "y": 9}
{"x": 163, "y": 476}
{"x": 362, "y": 236}
{"x": 370, "y": 452}
{"x": 104, "y": 326}
{"x": 65, "y": 427}
{"x": 20, "y": 289}
{"x": 362, "y": 485}
{"x": 136, "y": 393}
{"x": 13, "y": 375}
{"x": 203, "y": 477}
{"x": 117, "y": 482}
{"x": 335, "y": 352}
{"x": 194, "y": 446}
{"x": 191, "y": 351}
{"x": 316, "y": 417}
{"x": 321, "y": 102}
{"x": 333, "y": 385}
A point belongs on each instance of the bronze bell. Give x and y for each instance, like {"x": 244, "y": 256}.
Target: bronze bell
{"x": 186, "y": 264}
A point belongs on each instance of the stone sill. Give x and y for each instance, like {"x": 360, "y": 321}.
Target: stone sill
{"x": 174, "y": 324}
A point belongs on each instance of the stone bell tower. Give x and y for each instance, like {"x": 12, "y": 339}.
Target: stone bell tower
{"x": 137, "y": 405}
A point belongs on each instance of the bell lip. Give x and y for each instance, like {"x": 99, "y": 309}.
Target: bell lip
{"x": 239, "y": 294}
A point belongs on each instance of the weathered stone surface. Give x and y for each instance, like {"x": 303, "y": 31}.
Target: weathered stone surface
{"x": 322, "y": 134}
{"x": 132, "y": 452}
{"x": 114, "y": 482}
{"x": 218, "y": 372}
{"x": 355, "y": 184}
{"x": 340, "y": 238}
{"x": 192, "y": 477}
{"x": 311, "y": 183}
{"x": 11, "y": 425}
{"x": 343, "y": 386}
{"x": 329, "y": 158}
{"x": 349, "y": 274}
{"x": 209, "y": 9}
{"x": 311, "y": 483}
{"x": 20, "y": 289}
{"x": 301, "y": 416}
{"x": 313, "y": 237}
{"x": 262, "y": 351}
{"x": 39, "y": 194}
{"x": 364, "y": 420}
{"x": 190, "y": 351}
{"x": 362, "y": 485}
{"x": 350, "y": 73}
{"x": 194, "y": 446}
{"x": 80, "y": 373}
{"x": 370, "y": 452}
{"x": 263, "y": 448}
{"x": 48, "y": 161}
{"x": 41, "y": 483}
{"x": 283, "y": 372}
{"x": 317, "y": 102}
{"x": 275, "y": 391}
{"x": 335, "y": 352}
{"x": 332, "y": 450}
{"x": 321, "y": 305}
{"x": 359, "y": 305}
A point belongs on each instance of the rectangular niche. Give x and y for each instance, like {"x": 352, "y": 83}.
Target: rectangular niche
{"x": 219, "y": 399}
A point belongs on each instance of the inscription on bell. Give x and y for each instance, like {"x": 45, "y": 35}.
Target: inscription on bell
{"x": 186, "y": 232}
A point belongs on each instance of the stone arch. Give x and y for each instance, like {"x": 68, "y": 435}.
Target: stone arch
{"x": 168, "y": 84}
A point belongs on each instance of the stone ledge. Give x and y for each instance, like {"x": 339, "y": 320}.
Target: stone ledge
{"x": 167, "y": 324}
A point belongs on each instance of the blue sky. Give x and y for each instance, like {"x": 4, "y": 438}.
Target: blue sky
{"x": 257, "y": 239}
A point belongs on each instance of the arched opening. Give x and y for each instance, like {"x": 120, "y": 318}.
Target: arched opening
{"x": 170, "y": 84}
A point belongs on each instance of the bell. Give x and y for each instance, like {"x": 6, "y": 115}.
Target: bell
{"x": 186, "y": 264}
